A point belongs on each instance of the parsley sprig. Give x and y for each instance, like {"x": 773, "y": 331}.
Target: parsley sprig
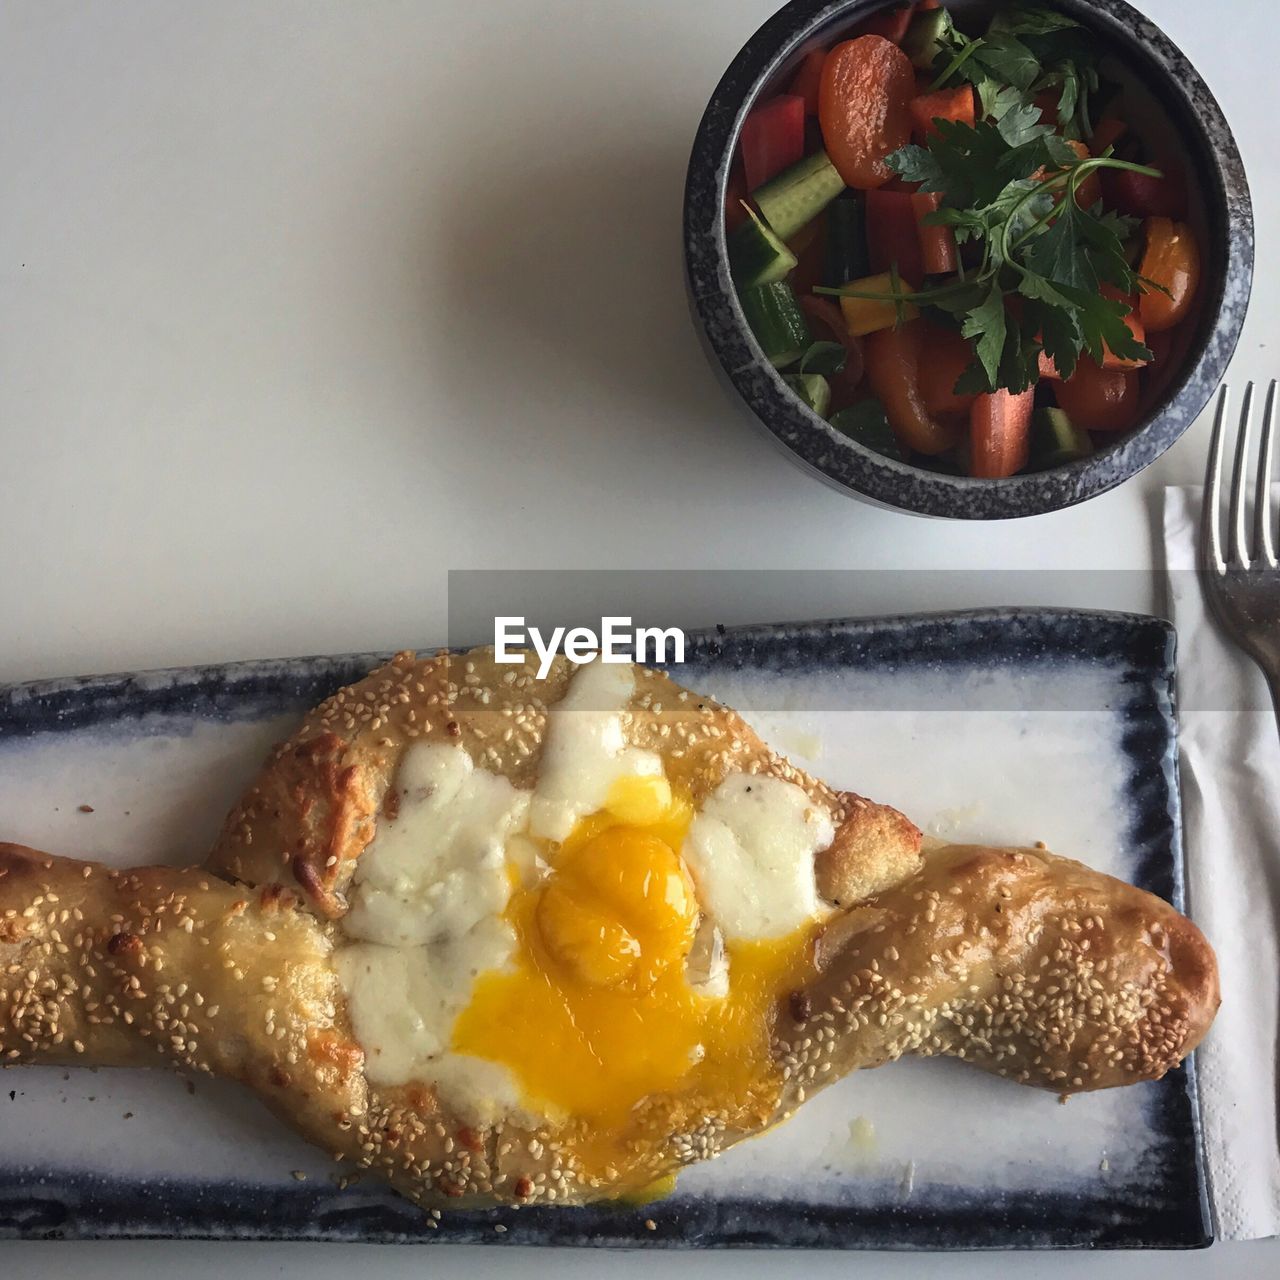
{"x": 1025, "y": 51}
{"x": 1009, "y": 185}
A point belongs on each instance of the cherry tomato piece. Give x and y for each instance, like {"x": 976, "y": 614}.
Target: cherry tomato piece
{"x": 1097, "y": 399}
{"x": 1172, "y": 260}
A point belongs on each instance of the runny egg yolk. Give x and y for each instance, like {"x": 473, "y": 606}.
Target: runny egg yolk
{"x": 619, "y": 909}
{"x": 597, "y": 1011}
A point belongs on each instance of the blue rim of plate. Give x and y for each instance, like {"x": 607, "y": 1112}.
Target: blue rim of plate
{"x": 1166, "y": 1207}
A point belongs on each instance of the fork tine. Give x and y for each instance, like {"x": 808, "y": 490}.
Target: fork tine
{"x": 1212, "y": 539}
{"x": 1239, "y": 479}
{"x": 1263, "y": 543}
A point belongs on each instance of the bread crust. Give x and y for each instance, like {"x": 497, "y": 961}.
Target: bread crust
{"x": 315, "y": 806}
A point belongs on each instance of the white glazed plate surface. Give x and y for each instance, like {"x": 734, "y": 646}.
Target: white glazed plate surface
{"x": 1006, "y": 727}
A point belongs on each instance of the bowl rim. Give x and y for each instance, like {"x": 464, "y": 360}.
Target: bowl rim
{"x": 853, "y": 468}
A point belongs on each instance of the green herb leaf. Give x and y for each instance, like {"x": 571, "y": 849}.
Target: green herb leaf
{"x": 1064, "y": 55}
{"x": 956, "y": 59}
{"x": 1017, "y": 119}
{"x": 1102, "y": 324}
{"x": 994, "y": 98}
{"x": 1059, "y": 333}
{"x": 973, "y": 381}
{"x": 1069, "y": 99}
{"x": 1007, "y": 58}
{"x": 1020, "y": 360}
{"x": 918, "y": 164}
{"x": 1060, "y": 256}
{"x": 987, "y": 323}
{"x": 1120, "y": 225}
{"x": 960, "y": 301}
{"x": 1039, "y": 289}
{"x": 971, "y": 160}
{"x": 1020, "y": 206}
{"x": 1043, "y": 152}
{"x": 1032, "y": 20}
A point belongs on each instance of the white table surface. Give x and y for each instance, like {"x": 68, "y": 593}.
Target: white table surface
{"x": 303, "y": 304}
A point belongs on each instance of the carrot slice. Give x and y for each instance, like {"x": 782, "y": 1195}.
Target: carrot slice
{"x": 864, "y": 108}
{"x": 1000, "y": 433}
{"x": 1100, "y": 399}
{"x": 893, "y": 370}
{"x": 947, "y": 104}
{"x": 937, "y": 244}
{"x": 1108, "y": 131}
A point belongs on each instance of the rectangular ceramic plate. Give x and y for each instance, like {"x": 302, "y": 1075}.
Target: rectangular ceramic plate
{"x": 1006, "y": 727}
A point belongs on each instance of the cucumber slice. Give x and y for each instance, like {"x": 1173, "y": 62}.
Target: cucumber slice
{"x": 926, "y": 37}
{"x": 777, "y": 321}
{"x": 847, "y": 255}
{"x": 756, "y": 255}
{"x": 867, "y": 423}
{"x": 1056, "y": 440}
{"x": 797, "y": 195}
{"x": 813, "y": 389}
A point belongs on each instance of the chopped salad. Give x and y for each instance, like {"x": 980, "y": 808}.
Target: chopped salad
{"x": 956, "y": 246}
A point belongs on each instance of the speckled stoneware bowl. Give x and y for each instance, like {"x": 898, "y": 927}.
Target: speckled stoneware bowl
{"x": 1155, "y": 65}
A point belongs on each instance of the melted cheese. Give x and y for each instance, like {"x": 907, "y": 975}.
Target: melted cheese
{"x": 440, "y": 867}
{"x": 427, "y": 913}
{"x": 585, "y": 753}
{"x": 751, "y": 850}
{"x": 404, "y": 1002}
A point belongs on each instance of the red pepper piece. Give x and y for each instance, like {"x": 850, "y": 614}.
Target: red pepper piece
{"x": 804, "y": 84}
{"x": 892, "y": 235}
{"x": 772, "y": 139}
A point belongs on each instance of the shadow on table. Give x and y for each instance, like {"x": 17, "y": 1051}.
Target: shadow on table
{"x": 563, "y": 270}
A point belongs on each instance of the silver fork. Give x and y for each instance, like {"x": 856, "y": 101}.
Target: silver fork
{"x": 1243, "y": 586}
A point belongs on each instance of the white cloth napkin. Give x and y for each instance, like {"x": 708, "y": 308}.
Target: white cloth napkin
{"x": 1230, "y": 762}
